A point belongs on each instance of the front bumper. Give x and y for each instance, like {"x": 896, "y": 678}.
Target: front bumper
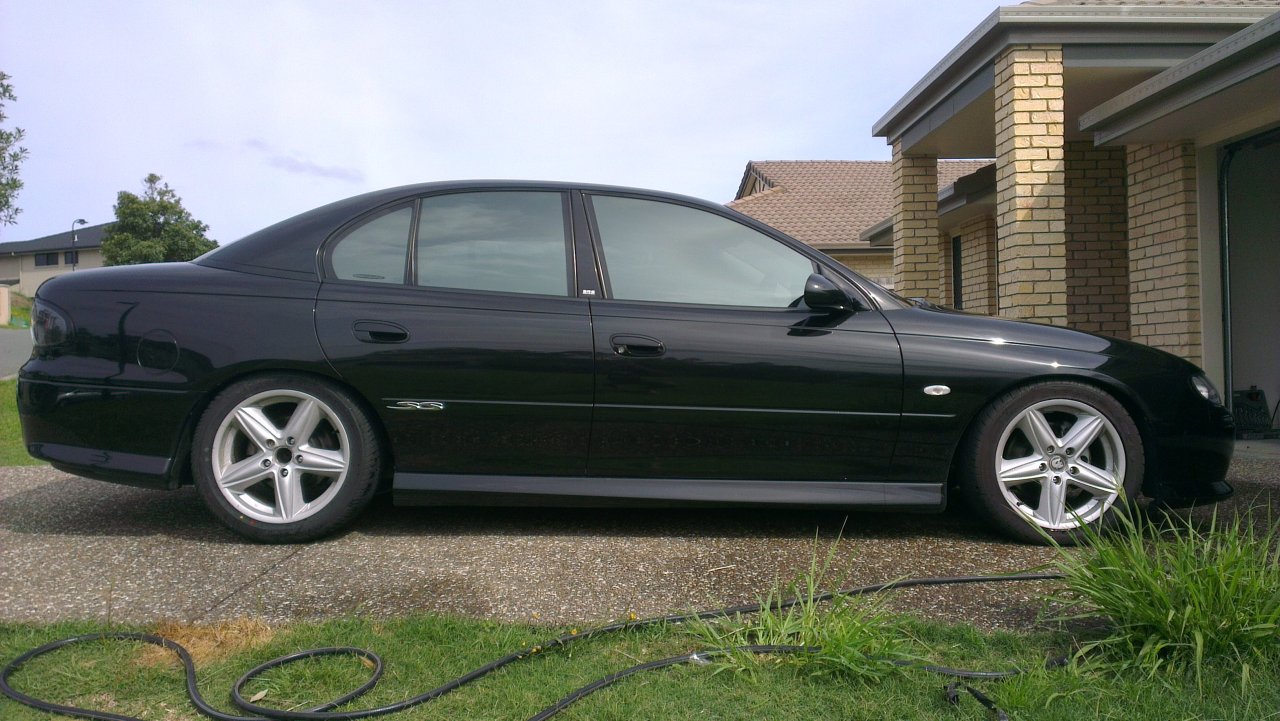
{"x": 1191, "y": 463}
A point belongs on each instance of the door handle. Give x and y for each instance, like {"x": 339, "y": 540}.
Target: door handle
{"x": 637, "y": 346}
{"x": 372, "y": 331}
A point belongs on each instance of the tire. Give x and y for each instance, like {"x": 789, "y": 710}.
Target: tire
{"x": 1048, "y": 459}
{"x": 284, "y": 458}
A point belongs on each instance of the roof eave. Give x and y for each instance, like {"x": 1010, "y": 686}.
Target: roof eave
{"x": 1247, "y": 54}
{"x": 1028, "y": 24}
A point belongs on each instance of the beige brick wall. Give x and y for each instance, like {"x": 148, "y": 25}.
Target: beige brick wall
{"x": 915, "y": 225}
{"x": 1030, "y": 195}
{"x": 1097, "y": 239}
{"x": 1164, "y": 247}
{"x": 978, "y": 292}
{"x": 875, "y": 266}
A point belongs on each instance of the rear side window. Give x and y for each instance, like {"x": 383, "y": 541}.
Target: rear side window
{"x": 657, "y": 251}
{"x": 511, "y": 242}
{"x": 376, "y": 251}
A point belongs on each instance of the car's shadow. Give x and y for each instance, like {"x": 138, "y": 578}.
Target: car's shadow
{"x": 71, "y": 506}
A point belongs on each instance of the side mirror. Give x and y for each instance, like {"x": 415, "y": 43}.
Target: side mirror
{"x": 821, "y": 294}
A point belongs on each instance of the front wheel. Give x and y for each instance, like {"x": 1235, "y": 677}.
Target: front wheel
{"x": 284, "y": 458}
{"x": 1048, "y": 459}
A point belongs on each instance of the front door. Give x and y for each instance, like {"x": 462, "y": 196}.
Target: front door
{"x": 709, "y": 364}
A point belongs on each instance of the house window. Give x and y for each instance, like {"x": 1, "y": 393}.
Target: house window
{"x": 44, "y": 259}
{"x": 957, "y": 288}
{"x": 70, "y": 257}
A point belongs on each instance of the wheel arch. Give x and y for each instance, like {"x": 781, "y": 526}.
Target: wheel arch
{"x": 1123, "y": 395}
{"x": 181, "y": 474}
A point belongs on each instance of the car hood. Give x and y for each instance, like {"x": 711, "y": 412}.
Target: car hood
{"x": 935, "y": 321}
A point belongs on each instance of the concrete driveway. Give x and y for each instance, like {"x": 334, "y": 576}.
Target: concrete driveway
{"x": 73, "y": 548}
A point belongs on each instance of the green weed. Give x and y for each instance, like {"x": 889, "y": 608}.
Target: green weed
{"x": 850, "y": 637}
{"x": 1178, "y": 598}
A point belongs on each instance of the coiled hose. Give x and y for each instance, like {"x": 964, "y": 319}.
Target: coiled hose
{"x": 324, "y": 711}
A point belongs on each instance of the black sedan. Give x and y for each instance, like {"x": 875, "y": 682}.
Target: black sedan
{"x": 520, "y": 342}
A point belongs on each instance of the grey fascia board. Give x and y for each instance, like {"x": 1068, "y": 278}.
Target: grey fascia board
{"x": 968, "y": 189}
{"x": 875, "y": 233}
{"x": 1232, "y": 61}
{"x": 1028, "y": 24}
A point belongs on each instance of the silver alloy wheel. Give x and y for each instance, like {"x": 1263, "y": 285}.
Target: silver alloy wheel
{"x": 280, "y": 456}
{"x": 1061, "y": 464}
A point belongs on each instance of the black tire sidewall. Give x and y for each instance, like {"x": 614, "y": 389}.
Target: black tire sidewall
{"x": 362, "y": 460}
{"x": 981, "y": 486}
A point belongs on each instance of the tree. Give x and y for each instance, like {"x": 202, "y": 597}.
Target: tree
{"x": 154, "y": 228}
{"x": 11, "y": 156}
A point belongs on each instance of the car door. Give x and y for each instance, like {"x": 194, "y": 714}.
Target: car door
{"x": 710, "y": 365}
{"x": 454, "y": 315}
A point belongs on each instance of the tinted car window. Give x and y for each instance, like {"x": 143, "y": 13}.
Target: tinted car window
{"x": 513, "y": 242}
{"x": 376, "y": 251}
{"x": 666, "y": 252}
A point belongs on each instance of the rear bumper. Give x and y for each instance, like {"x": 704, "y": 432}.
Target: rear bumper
{"x": 122, "y": 435}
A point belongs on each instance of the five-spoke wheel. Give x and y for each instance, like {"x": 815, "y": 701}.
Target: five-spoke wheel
{"x": 283, "y": 458}
{"x": 1053, "y": 457}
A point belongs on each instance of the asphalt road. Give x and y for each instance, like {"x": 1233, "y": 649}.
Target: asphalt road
{"x": 79, "y": 549}
{"x": 15, "y": 349}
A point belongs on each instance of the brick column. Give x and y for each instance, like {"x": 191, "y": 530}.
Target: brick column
{"x": 915, "y": 225}
{"x": 1097, "y": 239}
{"x": 1030, "y": 220}
{"x": 1164, "y": 248}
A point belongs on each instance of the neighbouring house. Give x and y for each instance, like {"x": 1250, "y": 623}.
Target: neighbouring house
{"x": 1130, "y": 188}
{"x": 828, "y": 204}
{"x": 25, "y": 264}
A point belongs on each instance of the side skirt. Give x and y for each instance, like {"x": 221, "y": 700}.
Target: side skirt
{"x": 416, "y": 489}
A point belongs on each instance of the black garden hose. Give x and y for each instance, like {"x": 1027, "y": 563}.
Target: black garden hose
{"x": 324, "y": 711}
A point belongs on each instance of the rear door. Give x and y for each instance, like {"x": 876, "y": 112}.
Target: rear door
{"x": 455, "y": 315}
{"x": 710, "y": 366}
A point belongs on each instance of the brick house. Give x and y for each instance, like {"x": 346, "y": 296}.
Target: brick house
{"x": 1130, "y": 185}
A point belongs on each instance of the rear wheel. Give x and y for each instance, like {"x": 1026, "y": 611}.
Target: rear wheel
{"x": 284, "y": 458}
{"x": 1050, "y": 458}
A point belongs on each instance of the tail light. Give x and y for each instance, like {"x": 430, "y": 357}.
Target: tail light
{"x": 49, "y": 326}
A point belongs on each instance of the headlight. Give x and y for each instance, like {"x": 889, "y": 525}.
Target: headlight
{"x": 1206, "y": 389}
{"x": 49, "y": 326}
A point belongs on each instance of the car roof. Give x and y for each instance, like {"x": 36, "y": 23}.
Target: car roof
{"x": 289, "y": 247}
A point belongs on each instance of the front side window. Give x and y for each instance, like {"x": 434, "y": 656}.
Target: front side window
{"x": 376, "y": 251}
{"x": 511, "y": 242}
{"x": 658, "y": 251}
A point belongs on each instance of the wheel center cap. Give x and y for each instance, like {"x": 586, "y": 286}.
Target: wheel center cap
{"x": 1057, "y": 463}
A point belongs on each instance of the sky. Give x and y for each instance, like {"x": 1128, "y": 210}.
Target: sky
{"x": 256, "y": 111}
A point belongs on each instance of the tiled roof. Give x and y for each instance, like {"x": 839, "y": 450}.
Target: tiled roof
{"x": 827, "y": 203}
{"x": 89, "y": 236}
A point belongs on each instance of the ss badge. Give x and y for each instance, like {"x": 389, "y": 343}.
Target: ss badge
{"x": 417, "y": 406}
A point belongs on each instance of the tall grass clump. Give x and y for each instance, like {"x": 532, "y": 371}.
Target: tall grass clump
{"x": 854, "y": 637}
{"x": 1178, "y": 598}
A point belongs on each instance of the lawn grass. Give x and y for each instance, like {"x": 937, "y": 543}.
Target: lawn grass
{"x": 424, "y": 651}
{"x": 12, "y": 451}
